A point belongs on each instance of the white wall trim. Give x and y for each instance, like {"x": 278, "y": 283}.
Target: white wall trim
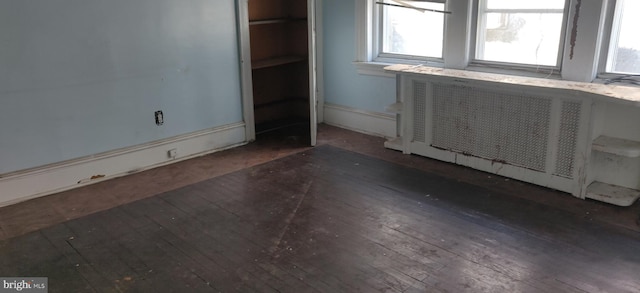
{"x": 373, "y": 123}
{"x": 36, "y": 182}
{"x": 363, "y": 28}
{"x": 320, "y": 60}
{"x": 244, "y": 48}
{"x": 373, "y": 69}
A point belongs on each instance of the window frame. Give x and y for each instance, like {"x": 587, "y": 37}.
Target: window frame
{"x": 460, "y": 37}
{"x": 380, "y": 56}
{"x": 612, "y": 22}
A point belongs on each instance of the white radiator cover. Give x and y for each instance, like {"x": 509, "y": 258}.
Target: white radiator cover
{"x": 531, "y": 136}
{"x": 581, "y": 138}
{"x": 498, "y": 126}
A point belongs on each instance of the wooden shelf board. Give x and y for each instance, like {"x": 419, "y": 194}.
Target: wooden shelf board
{"x": 280, "y": 124}
{"x": 274, "y": 21}
{"x": 395, "y": 108}
{"x": 258, "y": 64}
{"x": 281, "y": 101}
{"x": 617, "y": 146}
{"x": 616, "y": 195}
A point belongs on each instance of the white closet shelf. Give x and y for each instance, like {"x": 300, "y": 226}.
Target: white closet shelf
{"x": 617, "y": 195}
{"x": 276, "y": 20}
{"x": 617, "y": 146}
{"x": 277, "y": 61}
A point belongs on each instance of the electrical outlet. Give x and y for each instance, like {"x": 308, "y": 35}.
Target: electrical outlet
{"x": 172, "y": 153}
{"x": 159, "y": 118}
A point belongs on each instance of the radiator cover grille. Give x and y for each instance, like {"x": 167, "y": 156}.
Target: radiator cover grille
{"x": 419, "y": 111}
{"x": 567, "y": 139}
{"x": 504, "y": 127}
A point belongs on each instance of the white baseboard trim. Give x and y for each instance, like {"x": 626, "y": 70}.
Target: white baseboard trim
{"x": 378, "y": 124}
{"x": 32, "y": 183}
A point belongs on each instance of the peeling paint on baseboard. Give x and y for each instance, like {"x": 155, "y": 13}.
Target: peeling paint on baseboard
{"x": 94, "y": 177}
{"x": 574, "y": 29}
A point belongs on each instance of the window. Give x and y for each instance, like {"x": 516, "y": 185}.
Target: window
{"x": 523, "y": 32}
{"x": 624, "y": 46}
{"x": 413, "y": 31}
{"x": 567, "y": 39}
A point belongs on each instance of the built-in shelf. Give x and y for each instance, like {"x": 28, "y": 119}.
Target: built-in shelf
{"x": 395, "y": 108}
{"x": 617, "y": 146}
{"x": 265, "y": 63}
{"x": 280, "y": 77}
{"x": 279, "y": 102}
{"x": 394, "y": 144}
{"x": 281, "y": 124}
{"x": 275, "y": 20}
{"x": 617, "y": 195}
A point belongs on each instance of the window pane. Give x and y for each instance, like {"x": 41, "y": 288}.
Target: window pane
{"x": 626, "y": 51}
{"x": 525, "y": 38}
{"x": 410, "y": 32}
{"x": 525, "y": 4}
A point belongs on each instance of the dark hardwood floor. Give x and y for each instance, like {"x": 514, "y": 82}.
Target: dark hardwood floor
{"x": 287, "y": 218}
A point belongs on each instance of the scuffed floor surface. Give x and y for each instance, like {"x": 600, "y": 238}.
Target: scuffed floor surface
{"x": 331, "y": 220}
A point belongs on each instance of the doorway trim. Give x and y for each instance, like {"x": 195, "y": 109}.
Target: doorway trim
{"x": 246, "y": 78}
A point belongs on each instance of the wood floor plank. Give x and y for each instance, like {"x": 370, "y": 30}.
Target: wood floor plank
{"x": 38, "y": 216}
{"x": 323, "y": 234}
{"x": 329, "y": 220}
{"x": 213, "y": 273}
{"x": 578, "y": 231}
{"x": 230, "y": 251}
{"x": 444, "y": 236}
{"x": 194, "y": 205}
{"x": 105, "y": 253}
{"x": 248, "y": 231}
{"x": 379, "y": 248}
{"x": 32, "y": 255}
{"x": 295, "y": 193}
{"x": 212, "y": 254}
{"x": 352, "y": 181}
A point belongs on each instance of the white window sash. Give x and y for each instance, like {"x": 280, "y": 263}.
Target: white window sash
{"x": 481, "y": 23}
{"x": 378, "y": 54}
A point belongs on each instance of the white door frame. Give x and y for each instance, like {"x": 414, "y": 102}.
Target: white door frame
{"x": 246, "y": 79}
{"x": 313, "y": 67}
{"x": 316, "y": 103}
{"x": 319, "y": 61}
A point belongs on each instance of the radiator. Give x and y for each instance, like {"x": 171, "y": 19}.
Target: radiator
{"x": 526, "y": 136}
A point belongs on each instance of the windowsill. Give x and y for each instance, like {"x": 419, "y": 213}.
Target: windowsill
{"x": 603, "y": 78}
{"x": 549, "y": 74}
{"x": 377, "y": 69}
{"x": 617, "y": 93}
{"x": 374, "y": 68}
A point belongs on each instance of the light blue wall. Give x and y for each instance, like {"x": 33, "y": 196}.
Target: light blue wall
{"x": 80, "y": 77}
{"x": 343, "y": 85}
